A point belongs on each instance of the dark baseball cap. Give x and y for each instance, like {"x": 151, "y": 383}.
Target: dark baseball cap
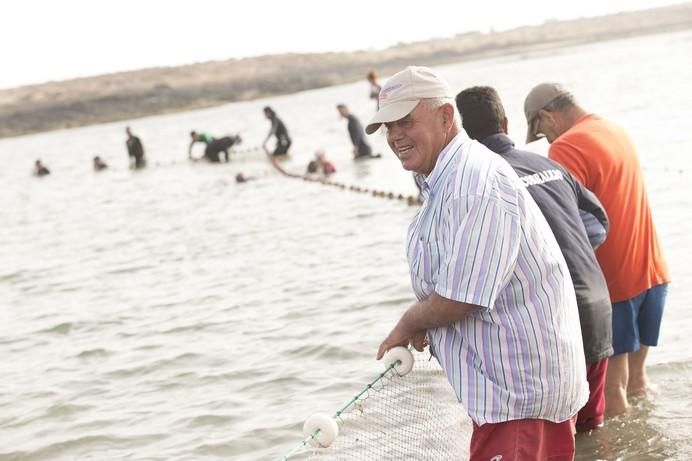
{"x": 538, "y": 98}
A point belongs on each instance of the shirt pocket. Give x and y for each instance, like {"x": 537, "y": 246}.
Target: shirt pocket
{"x": 429, "y": 261}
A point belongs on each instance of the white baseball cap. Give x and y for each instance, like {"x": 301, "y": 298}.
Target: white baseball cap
{"x": 402, "y": 93}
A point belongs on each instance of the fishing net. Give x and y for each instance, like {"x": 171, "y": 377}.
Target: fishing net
{"x": 411, "y": 417}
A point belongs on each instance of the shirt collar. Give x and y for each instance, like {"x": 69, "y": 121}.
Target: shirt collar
{"x": 444, "y": 159}
{"x": 582, "y": 119}
{"x": 498, "y": 143}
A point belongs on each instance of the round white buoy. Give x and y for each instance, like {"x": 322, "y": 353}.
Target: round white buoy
{"x": 329, "y": 430}
{"x": 404, "y": 356}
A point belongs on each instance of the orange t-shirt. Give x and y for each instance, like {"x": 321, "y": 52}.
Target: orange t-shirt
{"x": 601, "y": 155}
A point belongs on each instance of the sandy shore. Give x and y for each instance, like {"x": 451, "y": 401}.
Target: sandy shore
{"x": 127, "y": 95}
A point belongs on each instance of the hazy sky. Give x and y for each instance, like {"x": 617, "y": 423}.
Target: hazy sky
{"x": 42, "y": 40}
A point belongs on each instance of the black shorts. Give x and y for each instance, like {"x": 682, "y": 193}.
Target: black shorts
{"x": 211, "y": 153}
{"x": 282, "y": 145}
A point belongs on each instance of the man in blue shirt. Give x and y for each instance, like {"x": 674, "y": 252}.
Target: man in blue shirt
{"x": 578, "y": 221}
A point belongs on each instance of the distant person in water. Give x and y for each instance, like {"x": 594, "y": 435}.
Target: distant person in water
{"x": 240, "y": 178}
{"x": 99, "y": 164}
{"x": 135, "y": 150}
{"x": 313, "y": 167}
{"x": 324, "y": 166}
{"x": 278, "y": 129}
{"x": 214, "y": 146}
{"x": 40, "y": 169}
{"x": 375, "y": 87}
{"x": 361, "y": 148}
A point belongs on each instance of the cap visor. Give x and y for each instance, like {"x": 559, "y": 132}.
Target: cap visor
{"x": 390, "y": 113}
{"x": 531, "y": 135}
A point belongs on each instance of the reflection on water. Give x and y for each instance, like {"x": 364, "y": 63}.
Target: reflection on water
{"x": 633, "y": 436}
{"x": 172, "y": 314}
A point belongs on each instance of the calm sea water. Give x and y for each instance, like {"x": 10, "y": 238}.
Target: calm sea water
{"x": 172, "y": 314}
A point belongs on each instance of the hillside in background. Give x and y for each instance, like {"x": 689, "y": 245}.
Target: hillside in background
{"x": 145, "y": 92}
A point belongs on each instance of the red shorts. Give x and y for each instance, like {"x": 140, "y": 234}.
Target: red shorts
{"x": 523, "y": 440}
{"x": 591, "y": 415}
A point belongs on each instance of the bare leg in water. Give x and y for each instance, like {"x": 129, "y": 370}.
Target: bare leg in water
{"x": 617, "y": 378}
{"x": 638, "y": 381}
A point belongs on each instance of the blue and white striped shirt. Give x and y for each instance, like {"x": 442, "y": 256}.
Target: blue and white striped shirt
{"x": 479, "y": 238}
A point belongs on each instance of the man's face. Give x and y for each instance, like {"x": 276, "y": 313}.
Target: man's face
{"x": 418, "y": 138}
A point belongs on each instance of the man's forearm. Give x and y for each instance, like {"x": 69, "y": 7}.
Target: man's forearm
{"x": 436, "y": 311}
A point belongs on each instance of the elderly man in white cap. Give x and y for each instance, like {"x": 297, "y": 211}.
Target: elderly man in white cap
{"x": 602, "y": 156}
{"x": 495, "y": 299}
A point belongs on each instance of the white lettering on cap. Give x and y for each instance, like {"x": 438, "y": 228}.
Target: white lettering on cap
{"x": 385, "y": 92}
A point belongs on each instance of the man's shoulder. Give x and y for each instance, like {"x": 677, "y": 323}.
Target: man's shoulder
{"x": 475, "y": 155}
{"x": 588, "y": 138}
{"x": 591, "y": 127}
{"x": 468, "y": 158}
{"x": 482, "y": 172}
{"x": 525, "y": 156}
{"x": 572, "y": 141}
{"x": 525, "y": 162}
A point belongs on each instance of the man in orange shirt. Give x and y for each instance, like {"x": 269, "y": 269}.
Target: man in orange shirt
{"x": 601, "y": 155}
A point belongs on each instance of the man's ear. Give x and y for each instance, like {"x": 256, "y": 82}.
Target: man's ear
{"x": 505, "y": 125}
{"x": 545, "y": 115}
{"x": 447, "y": 113}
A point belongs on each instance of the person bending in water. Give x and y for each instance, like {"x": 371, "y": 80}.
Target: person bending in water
{"x": 214, "y": 146}
{"x": 99, "y": 164}
{"x": 40, "y": 169}
{"x": 278, "y": 129}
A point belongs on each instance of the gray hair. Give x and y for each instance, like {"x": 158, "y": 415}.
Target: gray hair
{"x": 431, "y": 104}
{"x": 562, "y": 102}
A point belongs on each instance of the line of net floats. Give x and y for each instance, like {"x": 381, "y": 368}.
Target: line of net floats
{"x": 410, "y": 199}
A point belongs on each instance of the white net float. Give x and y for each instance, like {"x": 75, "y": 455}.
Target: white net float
{"x": 328, "y": 430}
{"x": 405, "y": 358}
